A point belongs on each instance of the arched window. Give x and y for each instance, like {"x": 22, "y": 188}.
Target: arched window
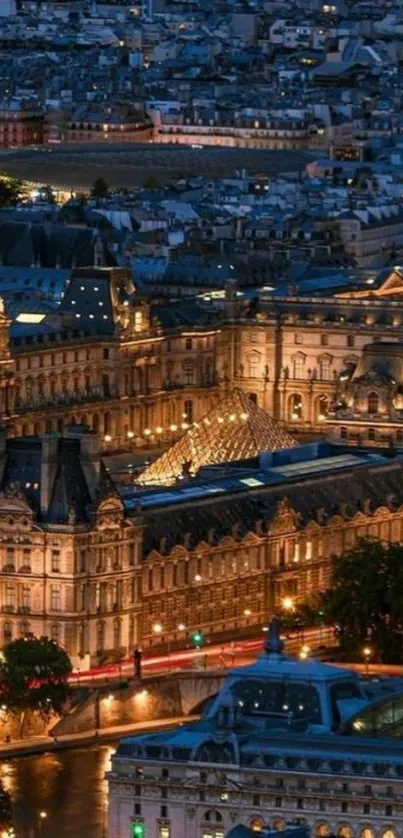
{"x": 389, "y": 833}
{"x": 371, "y": 433}
{"x": 7, "y": 633}
{"x": 256, "y": 825}
{"x": 345, "y": 831}
{"x": 367, "y": 833}
{"x": 279, "y": 825}
{"x": 323, "y": 407}
{"x": 295, "y": 407}
{"x": 100, "y": 636}
{"x": 373, "y": 402}
{"x": 24, "y": 628}
{"x": 322, "y": 830}
{"x": 343, "y": 433}
{"x": 188, "y": 411}
{"x": 213, "y": 816}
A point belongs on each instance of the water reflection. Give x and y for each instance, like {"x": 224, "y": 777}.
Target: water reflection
{"x": 69, "y": 786}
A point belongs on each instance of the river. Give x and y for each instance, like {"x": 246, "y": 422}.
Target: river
{"x": 68, "y": 786}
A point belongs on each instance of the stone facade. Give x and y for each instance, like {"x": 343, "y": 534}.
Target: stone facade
{"x": 151, "y": 371}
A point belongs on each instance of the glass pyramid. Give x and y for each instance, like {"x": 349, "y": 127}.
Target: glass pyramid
{"x": 235, "y": 429}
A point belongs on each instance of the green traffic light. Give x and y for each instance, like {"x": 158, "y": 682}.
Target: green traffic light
{"x": 138, "y": 830}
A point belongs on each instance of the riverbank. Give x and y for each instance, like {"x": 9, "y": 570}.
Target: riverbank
{"x": 43, "y": 744}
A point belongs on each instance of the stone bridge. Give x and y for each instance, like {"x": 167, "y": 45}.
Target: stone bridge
{"x": 151, "y": 699}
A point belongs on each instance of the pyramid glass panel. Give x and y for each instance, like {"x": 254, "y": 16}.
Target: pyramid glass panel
{"x": 236, "y": 429}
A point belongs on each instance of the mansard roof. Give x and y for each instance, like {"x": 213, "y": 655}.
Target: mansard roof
{"x": 251, "y": 501}
{"x": 235, "y": 429}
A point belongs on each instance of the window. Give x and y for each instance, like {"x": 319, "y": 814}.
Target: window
{"x": 371, "y": 433}
{"x": 298, "y": 338}
{"x": 366, "y": 808}
{"x": 299, "y": 363}
{"x": 345, "y": 831}
{"x": 278, "y": 802}
{"x": 188, "y": 343}
{"x": 117, "y": 631}
{"x": 367, "y": 833}
{"x": 164, "y": 831}
{"x": 188, "y": 411}
{"x": 55, "y": 561}
{"x": 344, "y": 806}
{"x": 189, "y": 372}
{"x": 389, "y": 810}
{"x": 55, "y": 632}
{"x": 324, "y": 369}
{"x": 256, "y": 825}
{"x": 350, "y": 340}
{"x": 138, "y": 321}
{"x": 256, "y": 799}
{"x": 343, "y": 433}
{"x": 323, "y": 407}
{"x": 324, "y": 340}
{"x": 55, "y": 598}
{"x": 164, "y": 811}
{"x": 105, "y": 354}
{"x": 10, "y": 553}
{"x": 100, "y": 648}
{"x": 137, "y": 808}
{"x": 295, "y": 407}
{"x": 322, "y": 830}
{"x": 254, "y": 365}
{"x": 10, "y": 595}
{"x": 7, "y": 632}
{"x": 373, "y": 403}
{"x": 26, "y": 596}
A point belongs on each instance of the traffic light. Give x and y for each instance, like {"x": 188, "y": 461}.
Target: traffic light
{"x": 197, "y": 639}
{"x": 138, "y": 830}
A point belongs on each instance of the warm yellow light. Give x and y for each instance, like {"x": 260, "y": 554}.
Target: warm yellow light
{"x": 181, "y": 627}
{"x": 184, "y": 425}
{"x": 111, "y": 697}
{"x": 130, "y": 434}
{"x": 232, "y": 417}
{"x": 173, "y": 428}
{"x": 244, "y": 416}
{"x": 247, "y": 612}
{"x": 305, "y": 651}
{"x": 159, "y": 430}
{"x": 147, "y": 431}
{"x": 108, "y": 438}
{"x": 220, "y": 420}
{"x": 43, "y": 815}
{"x": 28, "y": 317}
{"x": 197, "y": 577}
{"x": 288, "y": 603}
{"x": 157, "y": 628}
{"x": 367, "y": 651}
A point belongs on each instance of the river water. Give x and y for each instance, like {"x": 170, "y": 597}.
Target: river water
{"x": 68, "y": 785}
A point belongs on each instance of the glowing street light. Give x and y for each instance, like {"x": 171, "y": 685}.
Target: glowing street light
{"x": 288, "y": 603}
{"x": 157, "y": 628}
{"x": 367, "y": 653}
{"x": 304, "y": 652}
{"x": 247, "y": 612}
{"x": 181, "y": 627}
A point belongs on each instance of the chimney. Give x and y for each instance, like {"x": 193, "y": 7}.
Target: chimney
{"x": 50, "y": 448}
{"x": 90, "y": 459}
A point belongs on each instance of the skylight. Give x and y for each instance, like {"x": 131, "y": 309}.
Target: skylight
{"x": 28, "y": 317}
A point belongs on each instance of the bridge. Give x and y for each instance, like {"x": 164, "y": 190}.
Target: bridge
{"x": 154, "y": 698}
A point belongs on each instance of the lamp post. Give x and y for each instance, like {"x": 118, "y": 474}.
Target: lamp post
{"x": 158, "y": 629}
{"x": 367, "y": 653}
{"x": 42, "y": 815}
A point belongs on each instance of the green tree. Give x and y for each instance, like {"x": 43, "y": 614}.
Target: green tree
{"x": 100, "y": 188}
{"x": 304, "y": 614}
{"x": 34, "y": 677}
{"x": 11, "y": 190}
{"x": 365, "y": 600}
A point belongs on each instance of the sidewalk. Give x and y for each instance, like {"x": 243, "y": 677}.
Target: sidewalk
{"x": 40, "y": 744}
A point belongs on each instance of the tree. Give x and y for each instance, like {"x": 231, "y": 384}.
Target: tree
{"x": 151, "y": 182}
{"x": 11, "y": 191}
{"x": 365, "y": 600}
{"x": 34, "y": 675}
{"x": 5, "y": 813}
{"x": 303, "y": 614}
{"x": 100, "y": 188}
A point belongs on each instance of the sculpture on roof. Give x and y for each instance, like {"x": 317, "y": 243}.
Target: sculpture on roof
{"x": 273, "y": 645}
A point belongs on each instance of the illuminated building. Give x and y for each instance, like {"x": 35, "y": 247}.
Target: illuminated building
{"x": 285, "y": 741}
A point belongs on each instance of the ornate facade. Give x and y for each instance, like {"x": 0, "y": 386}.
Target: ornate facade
{"x": 137, "y": 372}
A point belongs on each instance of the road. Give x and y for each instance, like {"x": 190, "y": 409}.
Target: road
{"x": 211, "y": 656}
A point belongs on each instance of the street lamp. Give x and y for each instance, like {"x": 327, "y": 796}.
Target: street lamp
{"x": 247, "y": 612}
{"x": 367, "y": 653}
{"x": 157, "y": 628}
{"x": 42, "y": 818}
{"x": 288, "y": 603}
{"x": 304, "y": 652}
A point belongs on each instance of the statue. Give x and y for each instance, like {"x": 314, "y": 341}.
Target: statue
{"x": 273, "y": 645}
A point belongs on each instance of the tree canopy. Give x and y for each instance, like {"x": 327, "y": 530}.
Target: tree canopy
{"x": 11, "y": 190}
{"x": 100, "y": 188}
{"x": 365, "y": 599}
{"x": 34, "y": 674}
